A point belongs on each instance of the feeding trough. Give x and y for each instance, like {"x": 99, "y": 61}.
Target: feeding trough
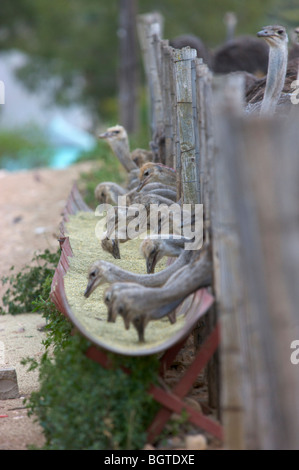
{"x": 79, "y": 248}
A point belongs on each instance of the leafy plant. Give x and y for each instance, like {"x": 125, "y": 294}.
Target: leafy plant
{"x": 82, "y": 406}
{"x": 27, "y": 285}
{"x": 79, "y": 404}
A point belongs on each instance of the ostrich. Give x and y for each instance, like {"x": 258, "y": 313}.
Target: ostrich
{"x": 243, "y": 53}
{"x": 109, "y": 192}
{"x": 156, "y": 172}
{"x": 141, "y": 156}
{"x": 151, "y": 197}
{"x": 102, "y": 272}
{"x": 195, "y": 43}
{"x": 163, "y": 191}
{"x": 116, "y": 232}
{"x": 117, "y": 138}
{"x": 266, "y": 94}
{"x": 142, "y": 304}
{"x": 154, "y": 248}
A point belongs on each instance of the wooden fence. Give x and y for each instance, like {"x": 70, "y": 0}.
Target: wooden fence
{"x": 245, "y": 171}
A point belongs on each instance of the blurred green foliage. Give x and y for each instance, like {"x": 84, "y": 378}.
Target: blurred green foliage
{"x": 27, "y": 144}
{"x": 77, "y": 41}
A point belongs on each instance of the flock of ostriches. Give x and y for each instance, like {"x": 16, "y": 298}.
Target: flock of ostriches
{"x": 140, "y": 298}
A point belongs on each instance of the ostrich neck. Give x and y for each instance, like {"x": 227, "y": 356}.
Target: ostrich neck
{"x": 151, "y": 280}
{"x": 122, "y": 151}
{"x": 183, "y": 283}
{"x": 278, "y": 58}
{"x": 174, "y": 247}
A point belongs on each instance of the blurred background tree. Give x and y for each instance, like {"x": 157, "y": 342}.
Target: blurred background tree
{"x": 78, "y": 42}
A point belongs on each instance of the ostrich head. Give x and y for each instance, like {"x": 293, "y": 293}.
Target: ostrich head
{"x": 111, "y": 246}
{"x": 97, "y": 275}
{"x": 275, "y": 35}
{"x": 152, "y": 252}
{"x": 113, "y": 292}
{"x": 122, "y": 306}
{"x": 155, "y": 247}
{"x": 118, "y": 140}
{"x": 114, "y": 134}
{"x": 156, "y": 172}
{"x": 141, "y": 156}
{"x": 108, "y": 192}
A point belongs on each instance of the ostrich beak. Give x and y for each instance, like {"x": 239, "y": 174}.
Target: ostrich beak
{"x": 90, "y": 287}
{"x": 115, "y": 250}
{"x": 264, "y": 33}
{"x": 151, "y": 264}
{"x": 105, "y": 135}
{"x": 141, "y": 184}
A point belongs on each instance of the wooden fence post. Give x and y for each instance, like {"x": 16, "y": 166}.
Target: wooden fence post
{"x": 187, "y": 173}
{"x": 169, "y": 102}
{"x": 227, "y": 100}
{"x": 149, "y": 28}
{"x": 264, "y": 180}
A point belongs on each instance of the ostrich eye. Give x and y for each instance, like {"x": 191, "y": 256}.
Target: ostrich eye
{"x": 93, "y": 274}
{"x": 280, "y": 31}
{"x": 146, "y": 173}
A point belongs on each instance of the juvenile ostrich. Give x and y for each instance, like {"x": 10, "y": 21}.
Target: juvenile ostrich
{"x": 117, "y": 138}
{"x": 141, "y": 156}
{"x": 155, "y": 247}
{"x": 139, "y": 305}
{"x": 266, "y": 94}
{"x": 117, "y": 232}
{"x": 156, "y": 172}
{"x": 109, "y": 192}
{"x": 102, "y": 272}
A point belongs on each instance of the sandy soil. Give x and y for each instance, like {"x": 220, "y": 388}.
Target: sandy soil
{"x": 31, "y": 203}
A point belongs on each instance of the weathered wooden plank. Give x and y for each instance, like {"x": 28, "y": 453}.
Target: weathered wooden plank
{"x": 264, "y": 179}
{"x": 149, "y": 28}
{"x": 185, "y": 123}
{"x": 227, "y": 274}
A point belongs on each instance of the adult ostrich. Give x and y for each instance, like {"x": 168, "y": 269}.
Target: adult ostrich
{"x": 242, "y": 54}
{"x": 274, "y": 89}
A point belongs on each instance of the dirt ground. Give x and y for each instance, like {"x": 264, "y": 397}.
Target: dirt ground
{"x": 31, "y": 205}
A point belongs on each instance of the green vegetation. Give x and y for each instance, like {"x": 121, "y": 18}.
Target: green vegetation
{"x": 27, "y": 285}
{"x": 80, "y": 405}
